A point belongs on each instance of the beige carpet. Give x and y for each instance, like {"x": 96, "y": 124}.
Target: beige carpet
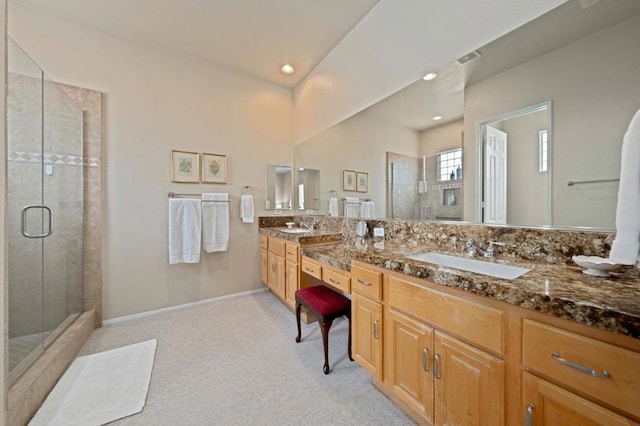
{"x": 235, "y": 362}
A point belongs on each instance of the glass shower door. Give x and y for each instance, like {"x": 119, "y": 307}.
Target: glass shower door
{"x": 45, "y": 210}
{"x": 25, "y": 129}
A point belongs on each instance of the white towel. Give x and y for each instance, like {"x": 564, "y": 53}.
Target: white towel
{"x": 368, "y": 210}
{"x": 333, "y": 206}
{"x": 185, "y": 226}
{"x": 246, "y": 208}
{"x": 215, "y": 222}
{"x": 626, "y": 246}
{"x": 351, "y": 207}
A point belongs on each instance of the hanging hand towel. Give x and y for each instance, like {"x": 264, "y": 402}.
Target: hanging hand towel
{"x": 368, "y": 210}
{"x": 626, "y": 246}
{"x": 246, "y": 208}
{"x": 215, "y": 222}
{"x": 184, "y": 230}
{"x": 351, "y": 207}
{"x": 333, "y": 206}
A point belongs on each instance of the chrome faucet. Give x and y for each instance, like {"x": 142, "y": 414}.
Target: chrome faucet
{"x": 309, "y": 225}
{"x": 490, "y": 251}
{"x": 472, "y": 248}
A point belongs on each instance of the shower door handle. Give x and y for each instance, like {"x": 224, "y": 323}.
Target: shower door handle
{"x": 23, "y": 229}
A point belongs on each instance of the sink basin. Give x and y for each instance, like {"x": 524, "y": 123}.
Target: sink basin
{"x": 497, "y": 270}
{"x": 295, "y": 230}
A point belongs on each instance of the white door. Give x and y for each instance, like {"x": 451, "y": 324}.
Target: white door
{"x": 495, "y": 176}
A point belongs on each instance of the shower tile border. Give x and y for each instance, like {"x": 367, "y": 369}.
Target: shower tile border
{"x": 64, "y": 159}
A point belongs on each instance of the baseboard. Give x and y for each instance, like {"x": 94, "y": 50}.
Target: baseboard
{"x": 126, "y": 318}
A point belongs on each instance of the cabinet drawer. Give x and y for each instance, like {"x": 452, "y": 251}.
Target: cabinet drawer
{"x": 569, "y": 359}
{"x": 264, "y": 242}
{"x": 336, "y": 279}
{"x": 292, "y": 252}
{"x": 311, "y": 267}
{"x": 479, "y": 324}
{"x": 277, "y": 247}
{"x": 366, "y": 282}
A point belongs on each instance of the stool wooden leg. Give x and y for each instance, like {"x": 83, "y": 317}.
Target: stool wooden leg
{"x": 298, "y": 307}
{"x": 324, "y": 327}
{"x": 349, "y": 345}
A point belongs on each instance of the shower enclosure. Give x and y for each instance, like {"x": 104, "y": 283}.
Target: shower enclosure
{"x": 45, "y": 210}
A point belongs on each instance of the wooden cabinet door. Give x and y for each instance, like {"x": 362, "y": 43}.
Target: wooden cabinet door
{"x": 409, "y": 351}
{"x": 280, "y": 284}
{"x": 549, "y": 405}
{"x": 469, "y": 384}
{"x": 275, "y": 274}
{"x": 366, "y": 333}
{"x": 264, "y": 266}
{"x": 291, "y": 283}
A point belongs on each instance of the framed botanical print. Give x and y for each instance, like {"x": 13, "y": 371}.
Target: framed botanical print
{"x": 348, "y": 180}
{"x": 362, "y": 182}
{"x": 214, "y": 168}
{"x": 185, "y": 166}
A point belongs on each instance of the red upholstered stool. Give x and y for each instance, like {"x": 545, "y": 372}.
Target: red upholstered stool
{"x": 326, "y": 305}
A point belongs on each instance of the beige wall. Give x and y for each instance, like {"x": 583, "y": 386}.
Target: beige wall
{"x": 442, "y": 138}
{"x": 157, "y": 101}
{"x": 359, "y": 144}
{"x": 393, "y": 46}
{"x": 4, "y": 363}
{"x": 527, "y": 191}
{"x": 594, "y": 85}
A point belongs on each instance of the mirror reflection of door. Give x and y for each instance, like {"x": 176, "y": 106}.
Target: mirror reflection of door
{"x": 495, "y": 176}
{"x": 525, "y": 165}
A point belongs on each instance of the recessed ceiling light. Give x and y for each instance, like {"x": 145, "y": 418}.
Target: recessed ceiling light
{"x": 437, "y": 117}
{"x": 430, "y": 76}
{"x": 287, "y": 69}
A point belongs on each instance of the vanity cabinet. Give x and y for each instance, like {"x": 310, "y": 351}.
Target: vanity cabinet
{"x": 603, "y": 372}
{"x": 367, "y": 326}
{"x": 410, "y": 346}
{"x": 292, "y": 274}
{"x": 548, "y": 404}
{"x": 280, "y": 268}
{"x": 276, "y": 275}
{"x": 469, "y": 384}
{"x": 426, "y": 367}
{"x": 264, "y": 259}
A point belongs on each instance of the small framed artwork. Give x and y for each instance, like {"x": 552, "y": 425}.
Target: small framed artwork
{"x": 214, "y": 168}
{"x": 185, "y": 166}
{"x": 362, "y": 182}
{"x": 348, "y": 180}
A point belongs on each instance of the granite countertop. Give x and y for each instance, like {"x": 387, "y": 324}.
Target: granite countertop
{"x": 315, "y": 236}
{"x": 611, "y": 304}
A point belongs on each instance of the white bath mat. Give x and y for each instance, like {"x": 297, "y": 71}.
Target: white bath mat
{"x": 100, "y": 388}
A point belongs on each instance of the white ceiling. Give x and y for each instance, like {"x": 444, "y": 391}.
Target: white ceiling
{"x": 414, "y": 106}
{"x": 251, "y": 36}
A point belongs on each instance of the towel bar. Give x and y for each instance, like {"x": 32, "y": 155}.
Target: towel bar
{"x": 174, "y": 195}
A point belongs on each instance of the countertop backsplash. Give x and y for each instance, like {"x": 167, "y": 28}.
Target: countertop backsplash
{"x": 553, "y": 246}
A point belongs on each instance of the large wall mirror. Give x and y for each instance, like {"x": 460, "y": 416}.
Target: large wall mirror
{"x": 278, "y": 184}
{"x": 581, "y": 58}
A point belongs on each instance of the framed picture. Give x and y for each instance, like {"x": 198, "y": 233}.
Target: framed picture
{"x": 348, "y": 180}
{"x": 214, "y": 168}
{"x": 362, "y": 182}
{"x": 185, "y": 166}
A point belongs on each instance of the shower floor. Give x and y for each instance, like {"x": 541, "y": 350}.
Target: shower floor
{"x": 21, "y": 346}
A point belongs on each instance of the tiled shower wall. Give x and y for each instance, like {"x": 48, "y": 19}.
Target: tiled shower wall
{"x": 74, "y": 241}
{"x": 439, "y": 200}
